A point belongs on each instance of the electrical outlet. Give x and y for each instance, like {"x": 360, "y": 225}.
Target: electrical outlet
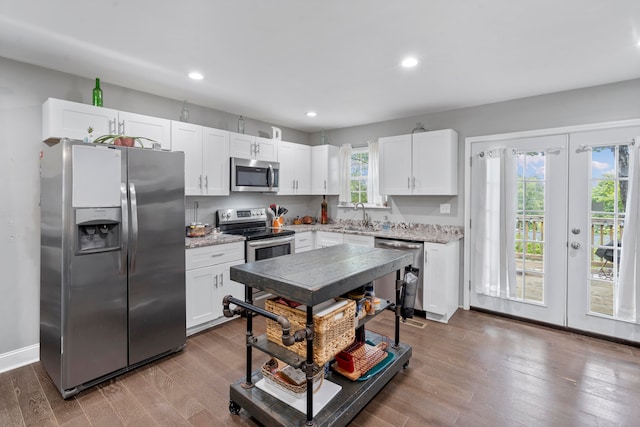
{"x": 445, "y": 208}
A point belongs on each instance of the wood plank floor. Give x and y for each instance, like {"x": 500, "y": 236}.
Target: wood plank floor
{"x": 478, "y": 370}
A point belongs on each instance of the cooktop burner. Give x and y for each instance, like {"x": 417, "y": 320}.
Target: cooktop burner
{"x": 250, "y": 223}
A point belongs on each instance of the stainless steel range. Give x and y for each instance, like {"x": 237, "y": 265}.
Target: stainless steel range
{"x": 263, "y": 242}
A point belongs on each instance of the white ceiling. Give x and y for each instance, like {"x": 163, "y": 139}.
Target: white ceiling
{"x": 275, "y": 60}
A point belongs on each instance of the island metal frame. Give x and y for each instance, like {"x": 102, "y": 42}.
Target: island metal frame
{"x": 311, "y": 278}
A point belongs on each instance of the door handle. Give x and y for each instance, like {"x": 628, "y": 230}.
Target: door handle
{"x": 575, "y": 245}
{"x": 124, "y": 214}
{"x": 134, "y": 225}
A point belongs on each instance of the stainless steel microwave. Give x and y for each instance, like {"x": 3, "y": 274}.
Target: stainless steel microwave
{"x": 254, "y": 175}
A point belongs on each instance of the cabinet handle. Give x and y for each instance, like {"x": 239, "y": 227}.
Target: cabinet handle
{"x": 257, "y": 147}
{"x": 414, "y": 182}
{"x": 206, "y": 182}
{"x": 112, "y": 130}
{"x": 217, "y": 255}
{"x": 409, "y": 182}
{"x": 201, "y": 182}
{"x": 325, "y": 184}
{"x": 216, "y": 282}
{"x": 293, "y": 184}
{"x": 121, "y": 130}
{"x": 296, "y": 184}
{"x": 221, "y": 279}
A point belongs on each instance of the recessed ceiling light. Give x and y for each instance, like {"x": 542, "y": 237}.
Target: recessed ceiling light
{"x": 311, "y": 114}
{"x": 409, "y": 62}
{"x": 196, "y": 76}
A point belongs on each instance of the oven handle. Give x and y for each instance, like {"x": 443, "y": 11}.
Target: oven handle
{"x": 265, "y": 243}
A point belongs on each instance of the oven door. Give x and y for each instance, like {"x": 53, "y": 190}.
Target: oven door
{"x": 270, "y": 248}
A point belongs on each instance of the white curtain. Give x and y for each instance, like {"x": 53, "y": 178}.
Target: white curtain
{"x": 628, "y": 298}
{"x": 344, "y": 164}
{"x": 373, "y": 184}
{"x": 493, "y": 205}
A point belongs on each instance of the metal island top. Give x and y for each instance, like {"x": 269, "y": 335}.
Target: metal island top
{"x": 316, "y": 276}
{"x": 311, "y": 278}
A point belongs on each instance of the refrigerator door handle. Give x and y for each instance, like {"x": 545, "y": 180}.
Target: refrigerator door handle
{"x": 124, "y": 202}
{"x": 134, "y": 225}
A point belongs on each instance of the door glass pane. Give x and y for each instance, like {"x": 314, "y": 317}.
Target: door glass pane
{"x": 609, "y": 180}
{"x": 529, "y": 233}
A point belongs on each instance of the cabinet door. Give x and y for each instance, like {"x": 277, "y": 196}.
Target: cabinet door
{"x": 149, "y": 127}
{"x": 286, "y": 154}
{"x": 241, "y": 145}
{"x": 324, "y": 170}
{"x": 325, "y": 239}
{"x": 303, "y": 168}
{"x": 441, "y": 280}
{"x": 435, "y": 162}
{"x": 215, "y": 162}
{"x": 226, "y": 286}
{"x": 395, "y": 165}
{"x": 266, "y": 149}
{"x": 66, "y": 119}
{"x": 187, "y": 138}
{"x": 202, "y": 303}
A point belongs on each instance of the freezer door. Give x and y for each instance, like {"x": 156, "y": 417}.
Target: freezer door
{"x": 156, "y": 257}
{"x": 94, "y": 285}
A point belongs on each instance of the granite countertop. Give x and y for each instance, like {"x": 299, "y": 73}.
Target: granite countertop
{"x": 432, "y": 233}
{"x": 211, "y": 239}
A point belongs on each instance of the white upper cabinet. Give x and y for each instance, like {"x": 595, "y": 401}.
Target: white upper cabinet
{"x": 206, "y": 157}
{"x": 149, "y": 127}
{"x": 324, "y": 170}
{"x": 295, "y": 168}
{"x": 66, "y": 119}
{"x": 419, "y": 164}
{"x": 253, "y": 147}
{"x": 215, "y": 161}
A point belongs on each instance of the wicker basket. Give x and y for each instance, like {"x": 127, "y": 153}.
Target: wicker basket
{"x": 333, "y": 332}
{"x": 296, "y": 391}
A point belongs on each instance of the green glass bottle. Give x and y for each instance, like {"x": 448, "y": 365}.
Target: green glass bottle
{"x": 97, "y": 94}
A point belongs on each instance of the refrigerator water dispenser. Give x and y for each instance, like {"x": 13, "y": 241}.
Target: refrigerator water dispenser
{"x": 97, "y": 230}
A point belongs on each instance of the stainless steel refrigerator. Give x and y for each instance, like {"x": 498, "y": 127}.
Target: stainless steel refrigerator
{"x": 112, "y": 292}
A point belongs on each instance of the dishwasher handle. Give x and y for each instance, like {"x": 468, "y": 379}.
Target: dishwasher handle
{"x": 396, "y": 244}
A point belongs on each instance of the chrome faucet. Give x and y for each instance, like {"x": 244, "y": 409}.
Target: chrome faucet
{"x": 365, "y": 217}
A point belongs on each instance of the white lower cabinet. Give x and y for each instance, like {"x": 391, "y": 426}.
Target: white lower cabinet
{"x": 207, "y": 282}
{"x": 325, "y": 239}
{"x": 441, "y": 290}
{"x": 304, "y": 241}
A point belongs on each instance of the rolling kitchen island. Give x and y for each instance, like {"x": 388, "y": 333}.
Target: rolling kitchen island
{"x": 311, "y": 278}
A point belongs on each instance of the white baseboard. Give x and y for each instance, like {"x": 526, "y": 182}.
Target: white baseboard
{"x": 20, "y": 357}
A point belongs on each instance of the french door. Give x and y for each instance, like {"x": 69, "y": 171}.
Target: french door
{"x": 598, "y": 181}
{"x": 561, "y": 262}
{"x": 534, "y": 284}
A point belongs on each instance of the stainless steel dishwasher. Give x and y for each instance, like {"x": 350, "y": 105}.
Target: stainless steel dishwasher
{"x": 385, "y": 287}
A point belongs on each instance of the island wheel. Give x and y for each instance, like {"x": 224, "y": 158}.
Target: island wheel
{"x": 234, "y": 408}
